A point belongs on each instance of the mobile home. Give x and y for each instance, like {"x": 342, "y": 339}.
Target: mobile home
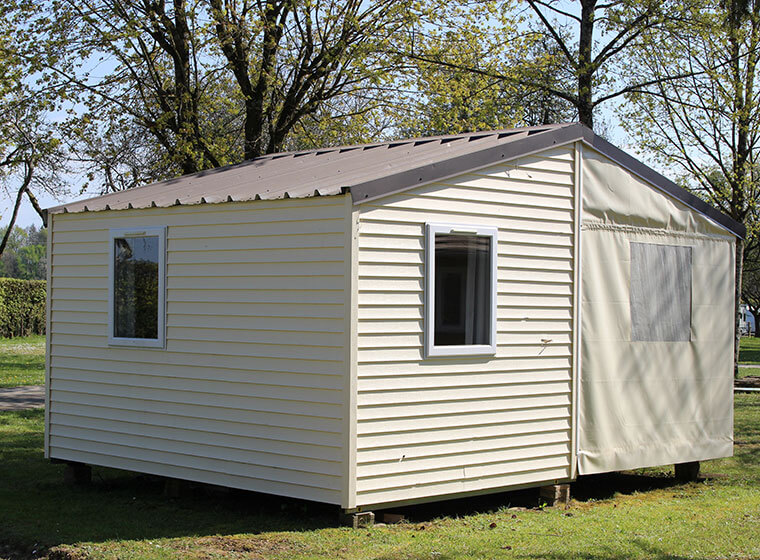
{"x": 391, "y": 323}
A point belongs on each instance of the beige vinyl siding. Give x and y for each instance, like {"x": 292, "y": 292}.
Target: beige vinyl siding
{"x": 249, "y": 390}
{"x": 437, "y": 426}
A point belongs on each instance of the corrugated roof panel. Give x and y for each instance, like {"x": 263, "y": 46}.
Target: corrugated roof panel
{"x": 369, "y": 171}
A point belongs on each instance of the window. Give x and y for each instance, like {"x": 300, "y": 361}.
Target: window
{"x": 660, "y": 293}
{"x": 136, "y": 294}
{"x": 460, "y": 307}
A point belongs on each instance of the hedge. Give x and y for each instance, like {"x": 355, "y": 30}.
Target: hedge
{"x": 22, "y": 307}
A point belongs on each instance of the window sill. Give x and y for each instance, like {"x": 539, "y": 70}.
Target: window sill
{"x": 468, "y": 350}
{"x": 136, "y": 342}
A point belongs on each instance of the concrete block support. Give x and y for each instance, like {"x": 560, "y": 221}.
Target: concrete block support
{"x": 358, "y": 519}
{"x": 555, "y": 494}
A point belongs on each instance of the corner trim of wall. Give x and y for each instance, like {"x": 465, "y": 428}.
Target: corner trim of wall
{"x": 577, "y": 272}
{"x": 48, "y": 333}
{"x": 351, "y": 271}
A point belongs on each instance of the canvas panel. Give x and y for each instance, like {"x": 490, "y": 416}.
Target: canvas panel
{"x": 660, "y": 292}
{"x": 612, "y": 195}
{"x": 646, "y": 403}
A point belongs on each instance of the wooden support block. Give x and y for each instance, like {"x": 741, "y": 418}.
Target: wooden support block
{"x": 393, "y": 518}
{"x": 555, "y": 494}
{"x": 358, "y": 519}
{"x": 77, "y": 474}
{"x": 687, "y": 472}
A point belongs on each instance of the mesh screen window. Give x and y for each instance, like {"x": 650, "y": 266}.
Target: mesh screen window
{"x": 660, "y": 292}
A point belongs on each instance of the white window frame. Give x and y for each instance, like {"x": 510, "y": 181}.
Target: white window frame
{"x": 431, "y": 229}
{"x": 159, "y": 232}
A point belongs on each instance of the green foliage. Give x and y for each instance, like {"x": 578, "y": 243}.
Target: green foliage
{"x": 22, "y": 307}
{"x": 25, "y": 256}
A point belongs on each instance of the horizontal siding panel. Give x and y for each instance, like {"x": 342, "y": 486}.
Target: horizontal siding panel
{"x": 216, "y": 348}
{"x": 516, "y": 223}
{"x": 221, "y": 372}
{"x": 226, "y": 283}
{"x": 263, "y": 228}
{"x": 202, "y": 449}
{"x": 261, "y": 256}
{"x": 212, "y": 271}
{"x": 68, "y": 270}
{"x": 259, "y": 242}
{"x": 516, "y": 421}
{"x": 416, "y": 354}
{"x": 461, "y": 459}
{"x": 390, "y": 326}
{"x": 95, "y": 318}
{"x": 417, "y": 202}
{"x": 236, "y": 213}
{"x": 77, "y": 426}
{"x": 89, "y": 329}
{"x": 459, "y": 473}
{"x": 258, "y": 336}
{"x": 421, "y": 382}
{"x": 462, "y": 393}
{"x": 380, "y": 312}
{"x": 258, "y": 310}
{"x": 79, "y": 305}
{"x": 99, "y": 247}
{"x": 149, "y": 357}
{"x": 92, "y": 294}
{"x": 209, "y": 386}
{"x": 160, "y": 468}
{"x": 250, "y": 415}
{"x": 513, "y": 195}
{"x": 469, "y": 365}
{"x": 80, "y": 283}
{"x": 226, "y": 465}
{"x": 377, "y": 446}
{"x": 232, "y": 422}
{"x": 289, "y": 324}
{"x": 505, "y": 481}
{"x": 189, "y": 398}
{"x": 456, "y": 407}
{"x": 254, "y": 295}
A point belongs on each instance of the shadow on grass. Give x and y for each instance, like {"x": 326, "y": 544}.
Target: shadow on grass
{"x": 40, "y": 511}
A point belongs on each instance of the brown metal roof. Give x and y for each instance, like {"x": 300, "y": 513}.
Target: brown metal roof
{"x": 369, "y": 171}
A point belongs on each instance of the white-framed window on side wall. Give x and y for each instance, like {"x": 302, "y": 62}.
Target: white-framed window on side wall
{"x": 136, "y": 287}
{"x": 460, "y": 290}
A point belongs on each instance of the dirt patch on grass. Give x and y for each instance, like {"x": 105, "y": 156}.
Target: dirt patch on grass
{"x": 234, "y": 547}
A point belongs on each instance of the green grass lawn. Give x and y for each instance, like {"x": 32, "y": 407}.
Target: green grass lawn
{"x": 122, "y": 515}
{"x": 22, "y": 361}
{"x": 749, "y": 350}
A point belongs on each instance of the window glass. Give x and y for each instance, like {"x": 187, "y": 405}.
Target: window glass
{"x": 660, "y": 292}
{"x": 462, "y": 290}
{"x": 136, "y": 294}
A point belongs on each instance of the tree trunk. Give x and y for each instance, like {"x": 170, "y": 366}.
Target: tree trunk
{"x": 737, "y": 303}
{"x": 24, "y": 187}
{"x": 585, "y": 64}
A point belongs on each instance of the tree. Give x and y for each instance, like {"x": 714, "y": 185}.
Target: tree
{"x": 573, "y": 66}
{"x": 290, "y": 58}
{"x": 698, "y": 113}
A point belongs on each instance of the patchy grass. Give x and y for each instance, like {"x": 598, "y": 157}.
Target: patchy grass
{"x": 22, "y": 361}
{"x": 749, "y": 350}
{"x": 633, "y": 515}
